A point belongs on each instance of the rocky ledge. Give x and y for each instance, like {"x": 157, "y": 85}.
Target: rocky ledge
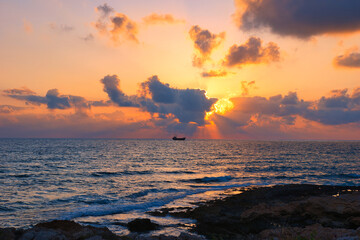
{"x": 70, "y": 230}
{"x": 279, "y": 212}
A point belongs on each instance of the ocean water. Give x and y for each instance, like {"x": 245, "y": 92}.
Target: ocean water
{"x": 107, "y": 182}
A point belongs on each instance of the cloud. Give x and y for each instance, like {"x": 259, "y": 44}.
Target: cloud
{"x": 339, "y": 108}
{"x": 18, "y": 91}
{"x": 182, "y": 106}
{"x": 117, "y": 25}
{"x": 204, "y": 43}
{"x": 104, "y": 10}
{"x": 111, "y": 87}
{"x": 187, "y": 105}
{"x": 123, "y": 26}
{"x": 104, "y": 14}
{"x": 214, "y": 73}
{"x": 53, "y": 99}
{"x": 351, "y": 59}
{"x": 252, "y": 52}
{"x": 155, "y": 18}
{"x": 61, "y": 27}
{"x": 299, "y": 18}
{"x": 9, "y": 109}
{"x": 88, "y": 38}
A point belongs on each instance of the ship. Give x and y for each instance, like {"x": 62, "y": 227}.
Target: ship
{"x": 176, "y": 138}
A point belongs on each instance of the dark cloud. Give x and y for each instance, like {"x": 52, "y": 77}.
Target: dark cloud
{"x": 276, "y": 105}
{"x": 337, "y": 108}
{"x": 204, "y": 42}
{"x": 101, "y": 103}
{"x": 116, "y": 25}
{"x": 252, "y": 52}
{"x": 299, "y": 18}
{"x": 18, "y": 91}
{"x": 111, "y": 87}
{"x": 53, "y": 99}
{"x": 187, "y": 105}
{"x": 26, "y": 95}
{"x": 104, "y": 14}
{"x": 214, "y": 73}
{"x": 349, "y": 60}
{"x": 155, "y": 18}
{"x": 104, "y": 10}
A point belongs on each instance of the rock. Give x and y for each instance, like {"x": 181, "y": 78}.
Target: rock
{"x": 65, "y": 230}
{"x": 188, "y": 236}
{"x": 49, "y": 235}
{"x": 142, "y": 225}
{"x": 284, "y": 210}
{"x": 7, "y": 233}
{"x": 94, "y": 238}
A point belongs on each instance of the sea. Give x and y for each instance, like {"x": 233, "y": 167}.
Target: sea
{"x": 109, "y": 182}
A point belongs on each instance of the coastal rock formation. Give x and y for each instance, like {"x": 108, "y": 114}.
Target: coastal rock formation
{"x": 142, "y": 225}
{"x": 58, "y": 230}
{"x": 280, "y": 212}
{"x": 69, "y": 230}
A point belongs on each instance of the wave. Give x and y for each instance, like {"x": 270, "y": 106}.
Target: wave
{"x": 211, "y": 179}
{"x": 104, "y": 173}
{"x": 123, "y": 207}
{"x": 180, "y": 172}
{"x": 6, "y": 209}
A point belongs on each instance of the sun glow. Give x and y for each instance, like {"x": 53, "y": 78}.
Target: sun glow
{"x": 222, "y": 106}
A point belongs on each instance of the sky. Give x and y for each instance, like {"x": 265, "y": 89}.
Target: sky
{"x": 204, "y": 69}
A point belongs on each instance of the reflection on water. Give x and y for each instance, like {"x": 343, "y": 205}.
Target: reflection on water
{"x": 109, "y": 181}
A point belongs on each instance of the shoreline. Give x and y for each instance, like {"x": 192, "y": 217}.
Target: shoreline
{"x": 296, "y": 211}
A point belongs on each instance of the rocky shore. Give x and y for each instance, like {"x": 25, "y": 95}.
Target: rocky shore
{"x": 279, "y": 212}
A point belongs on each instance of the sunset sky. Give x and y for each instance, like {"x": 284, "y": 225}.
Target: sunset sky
{"x": 243, "y": 69}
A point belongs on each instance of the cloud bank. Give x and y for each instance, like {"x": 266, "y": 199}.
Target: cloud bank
{"x": 338, "y": 108}
{"x": 299, "y": 18}
{"x": 163, "y": 110}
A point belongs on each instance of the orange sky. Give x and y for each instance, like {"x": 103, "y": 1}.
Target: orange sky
{"x": 152, "y": 69}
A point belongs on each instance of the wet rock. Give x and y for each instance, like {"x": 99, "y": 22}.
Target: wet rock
{"x": 142, "y": 225}
{"x": 331, "y": 211}
{"x": 59, "y": 230}
{"x": 182, "y": 236}
{"x": 7, "y": 233}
